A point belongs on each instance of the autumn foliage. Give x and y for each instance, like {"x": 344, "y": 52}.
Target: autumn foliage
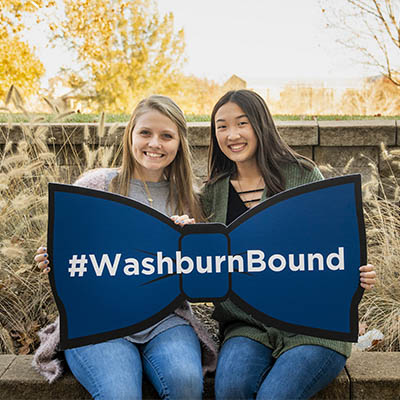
{"x": 125, "y": 49}
{"x": 377, "y": 96}
{"x": 18, "y": 63}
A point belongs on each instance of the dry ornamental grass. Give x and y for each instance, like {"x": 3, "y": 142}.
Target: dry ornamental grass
{"x": 380, "y": 307}
{"x": 26, "y": 168}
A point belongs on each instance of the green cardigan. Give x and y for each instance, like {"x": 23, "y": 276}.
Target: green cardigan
{"x": 234, "y": 321}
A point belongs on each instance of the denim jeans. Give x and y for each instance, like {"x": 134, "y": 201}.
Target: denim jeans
{"x": 246, "y": 370}
{"x": 113, "y": 369}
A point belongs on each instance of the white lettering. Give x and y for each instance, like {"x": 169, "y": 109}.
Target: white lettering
{"x": 312, "y": 257}
{"x": 148, "y": 267}
{"x": 255, "y": 262}
{"x": 133, "y": 268}
{"x": 300, "y": 266}
{"x": 199, "y": 267}
{"x": 340, "y": 260}
{"x": 161, "y": 260}
{"x": 180, "y": 260}
{"x": 282, "y": 261}
{"x": 239, "y": 260}
{"x": 255, "y": 257}
{"x": 218, "y": 261}
{"x": 105, "y": 260}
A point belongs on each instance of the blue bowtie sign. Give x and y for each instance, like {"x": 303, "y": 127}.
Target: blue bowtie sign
{"x": 291, "y": 262}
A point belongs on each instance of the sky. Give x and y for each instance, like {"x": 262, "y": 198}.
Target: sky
{"x": 261, "y": 39}
{"x": 258, "y": 40}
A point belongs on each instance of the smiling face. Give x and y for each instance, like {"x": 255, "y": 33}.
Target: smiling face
{"x": 235, "y": 135}
{"x": 155, "y": 143}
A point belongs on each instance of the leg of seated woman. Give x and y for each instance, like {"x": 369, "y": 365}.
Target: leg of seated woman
{"x": 109, "y": 370}
{"x": 301, "y": 372}
{"x": 172, "y": 362}
{"x": 242, "y": 365}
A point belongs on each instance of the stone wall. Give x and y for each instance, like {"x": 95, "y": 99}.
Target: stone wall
{"x": 367, "y": 376}
{"x": 332, "y": 143}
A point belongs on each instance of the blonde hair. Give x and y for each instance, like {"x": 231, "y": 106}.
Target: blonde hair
{"x": 179, "y": 173}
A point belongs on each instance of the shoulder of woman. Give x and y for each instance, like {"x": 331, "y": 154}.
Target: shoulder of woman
{"x": 211, "y": 189}
{"x": 97, "y": 178}
{"x": 216, "y": 184}
{"x": 296, "y": 175}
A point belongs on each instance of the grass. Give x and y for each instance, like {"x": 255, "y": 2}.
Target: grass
{"x": 26, "y": 302}
{"x": 380, "y": 307}
{"x": 110, "y": 118}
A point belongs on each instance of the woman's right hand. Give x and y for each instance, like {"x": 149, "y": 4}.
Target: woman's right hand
{"x": 183, "y": 220}
{"x": 41, "y": 259}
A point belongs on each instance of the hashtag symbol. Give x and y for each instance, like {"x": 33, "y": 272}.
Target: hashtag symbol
{"x": 77, "y": 265}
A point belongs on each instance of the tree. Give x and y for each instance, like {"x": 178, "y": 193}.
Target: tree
{"x": 372, "y": 27}
{"x": 125, "y": 51}
{"x": 18, "y": 63}
{"x": 303, "y": 100}
{"x": 197, "y": 96}
{"x": 19, "y": 66}
{"x": 378, "y": 96}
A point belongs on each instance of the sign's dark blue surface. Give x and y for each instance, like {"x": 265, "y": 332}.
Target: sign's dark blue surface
{"x": 292, "y": 261}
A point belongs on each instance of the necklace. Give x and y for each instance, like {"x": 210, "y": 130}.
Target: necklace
{"x": 258, "y": 184}
{"x": 244, "y": 193}
{"x": 146, "y": 188}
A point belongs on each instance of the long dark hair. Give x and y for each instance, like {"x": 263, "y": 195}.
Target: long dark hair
{"x": 272, "y": 152}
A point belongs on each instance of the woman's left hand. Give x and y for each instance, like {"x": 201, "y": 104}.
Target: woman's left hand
{"x": 182, "y": 220}
{"x": 367, "y": 276}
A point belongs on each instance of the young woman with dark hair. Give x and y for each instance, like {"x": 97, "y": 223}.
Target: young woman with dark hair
{"x": 248, "y": 162}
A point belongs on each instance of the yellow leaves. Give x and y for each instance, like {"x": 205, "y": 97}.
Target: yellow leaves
{"x": 13, "y": 12}
{"x": 195, "y": 95}
{"x": 19, "y": 66}
{"x": 128, "y": 51}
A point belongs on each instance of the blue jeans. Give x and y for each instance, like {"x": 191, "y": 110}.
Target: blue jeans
{"x": 113, "y": 369}
{"x": 246, "y": 370}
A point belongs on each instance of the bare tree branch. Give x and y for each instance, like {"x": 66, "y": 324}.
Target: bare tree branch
{"x": 364, "y": 7}
{"x": 385, "y": 24}
{"x": 376, "y": 38}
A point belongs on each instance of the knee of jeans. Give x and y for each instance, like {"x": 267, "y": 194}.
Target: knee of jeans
{"x": 187, "y": 383}
{"x": 233, "y": 387}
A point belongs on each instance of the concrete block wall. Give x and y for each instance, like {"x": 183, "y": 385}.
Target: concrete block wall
{"x": 332, "y": 143}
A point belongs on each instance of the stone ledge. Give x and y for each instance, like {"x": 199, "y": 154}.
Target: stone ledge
{"x": 374, "y": 375}
{"x": 367, "y": 376}
{"x": 295, "y": 133}
{"x": 357, "y": 133}
{"x": 299, "y": 133}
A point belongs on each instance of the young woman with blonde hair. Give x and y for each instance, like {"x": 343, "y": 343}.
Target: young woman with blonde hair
{"x": 156, "y": 170}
